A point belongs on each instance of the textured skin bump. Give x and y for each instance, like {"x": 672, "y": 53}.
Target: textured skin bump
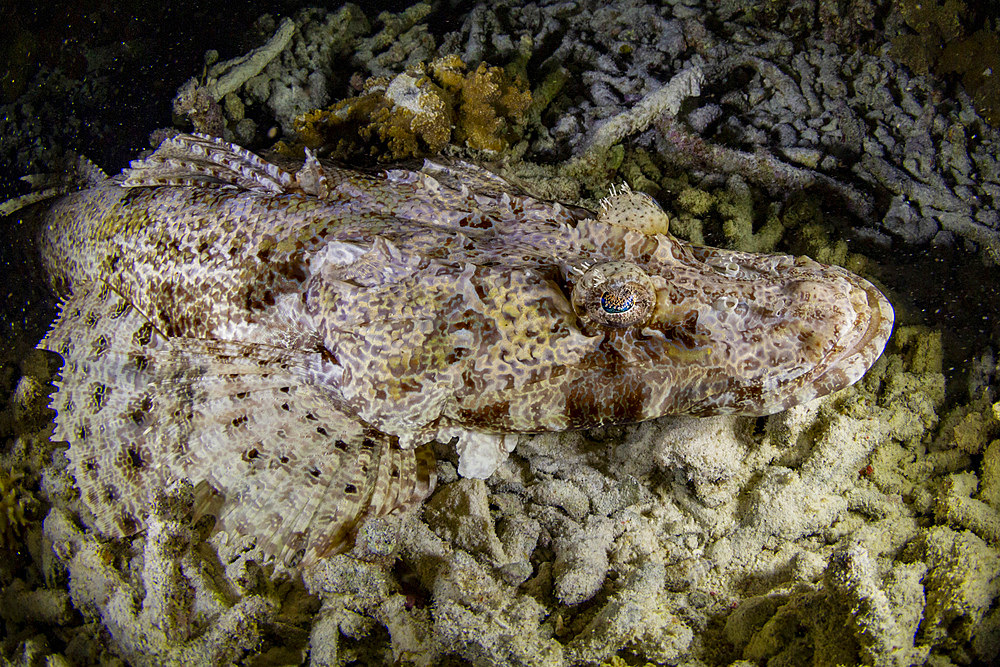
{"x": 634, "y": 210}
{"x": 290, "y": 337}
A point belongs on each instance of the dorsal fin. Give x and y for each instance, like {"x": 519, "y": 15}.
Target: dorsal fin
{"x": 199, "y": 159}
{"x": 77, "y": 173}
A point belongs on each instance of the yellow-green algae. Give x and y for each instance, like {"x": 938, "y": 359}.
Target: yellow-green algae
{"x": 420, "y": 111}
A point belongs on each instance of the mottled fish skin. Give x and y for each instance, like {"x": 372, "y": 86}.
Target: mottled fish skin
{"x": 411, "y": 306}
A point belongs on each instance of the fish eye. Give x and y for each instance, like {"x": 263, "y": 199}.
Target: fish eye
{"x": 618, "y": 301}
{"x": 614, "y": 294}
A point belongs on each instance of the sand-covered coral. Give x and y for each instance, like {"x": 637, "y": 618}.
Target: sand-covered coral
{"x": 962, "y": 583}
{"x": 24, "y": 420}
{"x": 163, "y": 600}
{"x": 420, "y": 111}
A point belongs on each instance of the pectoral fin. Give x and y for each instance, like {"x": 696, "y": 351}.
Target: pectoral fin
{"x": 272, "y": 453}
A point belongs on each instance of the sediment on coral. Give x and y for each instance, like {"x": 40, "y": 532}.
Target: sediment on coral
{"x": 161, "y": 601}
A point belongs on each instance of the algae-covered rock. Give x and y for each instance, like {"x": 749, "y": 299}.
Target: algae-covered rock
{"x": 12, "y": 518}
{"x": 990, "y": 489}
{"x": 420, "y": 111}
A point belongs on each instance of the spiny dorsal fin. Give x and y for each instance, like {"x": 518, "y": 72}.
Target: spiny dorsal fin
{"x": 77, "y": 173}
{"x": 199, "y": 159}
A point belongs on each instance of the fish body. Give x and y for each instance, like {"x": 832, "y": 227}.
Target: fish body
{"x": 291, "y": 338}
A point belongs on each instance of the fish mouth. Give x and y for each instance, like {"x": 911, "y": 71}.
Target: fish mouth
{"x": 853, "y": 354}
{"x": 864, "y": 343}
{"x": 881, "y": 321}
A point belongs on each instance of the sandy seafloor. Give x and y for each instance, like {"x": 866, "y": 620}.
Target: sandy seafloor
{"x": 859, "y": 529}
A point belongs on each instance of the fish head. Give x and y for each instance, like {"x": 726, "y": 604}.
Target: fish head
{"x": 638, "y": 324}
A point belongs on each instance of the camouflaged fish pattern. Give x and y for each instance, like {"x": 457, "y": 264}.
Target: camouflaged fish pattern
{"x": 290, "y": 337}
